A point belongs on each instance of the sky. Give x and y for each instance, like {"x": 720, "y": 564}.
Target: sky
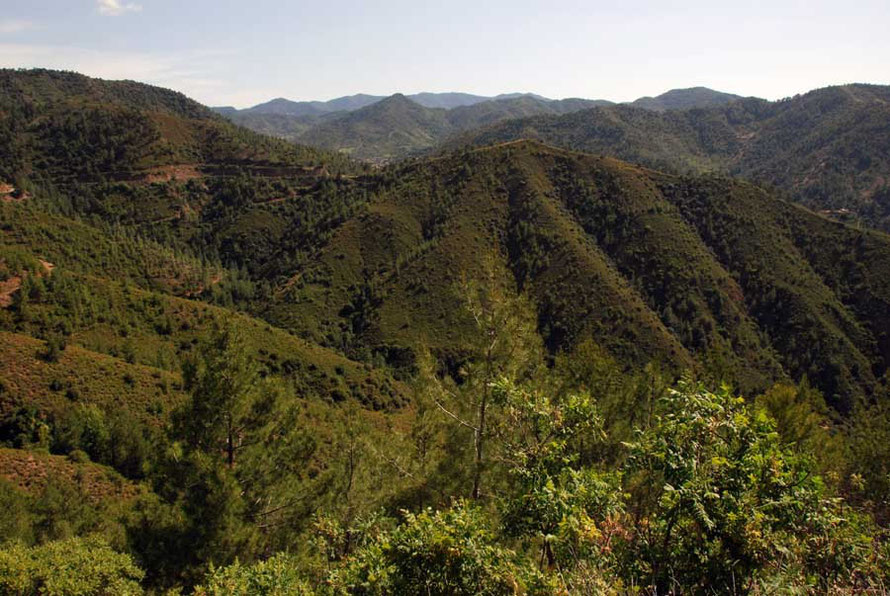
{"x": 245, "y": 52}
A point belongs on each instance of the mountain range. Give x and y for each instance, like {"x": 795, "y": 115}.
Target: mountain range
{"x": 826, "y": 149}
{"x": 229, "y": 359}
{"x": 351, "y": 103}
{"x": 652, "y": 266}
{"x": 381, "y": 129}
{"x": 670, "y": 100}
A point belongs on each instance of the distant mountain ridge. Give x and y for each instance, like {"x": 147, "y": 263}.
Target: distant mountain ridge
{"x": 671, "y": 100}
{"x": 684, "y": 99}
{"x": 366, "y": 128}
{"x": 398, "y": 127}
{"x": 829, "y": 149}
{"x": 350, "y": 103}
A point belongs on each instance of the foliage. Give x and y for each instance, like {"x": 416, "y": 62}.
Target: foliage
{"x": 715, "y": 495}
{"x": 222, "y": 383}
{"x": 867, "y": 463}
{"x": 74, "y": 567}
{"x": 443, "y": 552}
{"x": 276, "y": 576}
{"x": 571, "y": 513}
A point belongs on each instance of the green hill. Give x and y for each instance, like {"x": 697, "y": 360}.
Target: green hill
{"x": 387, "y": 129}
{"x": 826, "y": 149}
{"x": 684, "y": 99}
{"x": 68, "y": 126}
{"x": 687, "y": 271}
{"x": 116, "y": 153}
{"x": 98, "y": 302}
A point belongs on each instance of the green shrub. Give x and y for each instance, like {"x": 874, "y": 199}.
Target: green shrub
{"x": 79, "y": 457}
{"x": 276, "y": 576}
{"x": 55, "y": 345}
{"x": 442, "y": 552}
{"x": 74, "y": 567}
{"x": 728, "y": 505}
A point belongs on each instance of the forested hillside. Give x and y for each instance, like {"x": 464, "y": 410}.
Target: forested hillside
{"x": 650, "y": 266}
{"x": 684, "y": 99}
{"x": 826, "y": 149}
{"x": 233, "y": 365}
{"x": 66, "y": 128}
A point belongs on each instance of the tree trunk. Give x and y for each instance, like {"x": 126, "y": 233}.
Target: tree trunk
{"x": 480, "y": 428}
{"x": 480, "y": 437}
{"x": 230, "y": 444}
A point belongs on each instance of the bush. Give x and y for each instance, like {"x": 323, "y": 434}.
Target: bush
{"x": 728, "y": 505}
{"x": 24, "y": 427}
{"x": 15, "y": 523}
{"x": 75, "y": 567}
{"x": 85, "y": 428}
{"x": 79, "y": 457}
{"x": 442, "y": 552}
{"x": 276, "y": 576}
{"x": 52, "y": 350}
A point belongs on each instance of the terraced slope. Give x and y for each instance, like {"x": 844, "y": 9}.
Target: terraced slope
{"x": 65, "y": 127}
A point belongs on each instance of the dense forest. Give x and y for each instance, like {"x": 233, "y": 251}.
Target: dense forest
{"x": 230, "y": 365}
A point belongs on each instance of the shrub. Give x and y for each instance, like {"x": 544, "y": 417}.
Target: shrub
{"x": 74, "y": 567}
{"x": 442, "y": 552}
{"x": 276, "y": 576}
{"x": 52, "y": 350}
{"x": 727, "y": 504}
{"x": 79, "y": 457}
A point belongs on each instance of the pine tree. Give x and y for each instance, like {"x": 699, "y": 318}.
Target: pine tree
{"x": 223, "y": 385}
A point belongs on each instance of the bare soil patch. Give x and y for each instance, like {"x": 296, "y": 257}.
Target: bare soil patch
{"x": 180, "y": 173}
{"x": 14, "y": 283}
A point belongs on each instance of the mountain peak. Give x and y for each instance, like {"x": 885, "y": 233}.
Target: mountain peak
{"x": 397, "y": 100}
{"x": 686, "y": 98}
{"x": 519, "y": 95}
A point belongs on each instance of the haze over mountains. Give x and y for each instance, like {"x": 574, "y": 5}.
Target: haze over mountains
{"x": 350, "y": 103}
{"x": 381, "y": 129}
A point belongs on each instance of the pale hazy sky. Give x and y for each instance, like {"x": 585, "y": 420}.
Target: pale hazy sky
{"x": 244, "y": 52}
